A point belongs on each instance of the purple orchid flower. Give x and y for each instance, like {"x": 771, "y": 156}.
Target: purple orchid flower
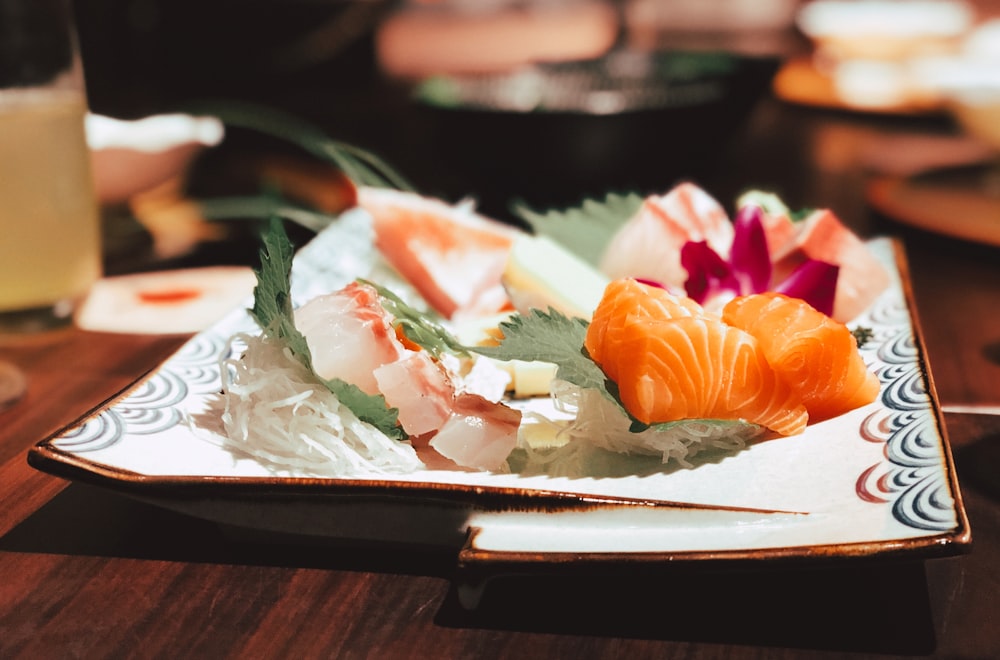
{"x": 749, "y": 268}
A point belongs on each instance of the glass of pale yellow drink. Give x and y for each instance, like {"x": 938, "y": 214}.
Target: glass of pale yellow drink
{"x": 50, "y": 251}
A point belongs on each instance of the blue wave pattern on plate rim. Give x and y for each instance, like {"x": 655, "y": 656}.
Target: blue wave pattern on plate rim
{"x": 911, "y": 477}
{"x": 155, "y": 405}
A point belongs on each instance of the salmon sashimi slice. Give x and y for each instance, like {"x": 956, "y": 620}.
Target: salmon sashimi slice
{"x": 817, "y": 355}
{"x": 672, "y": 361}
{"x": 700, "y": 368}
{"x": 649, "y": 245}
{"x": 454, "y": 257}
{"x": 627, "y": 300}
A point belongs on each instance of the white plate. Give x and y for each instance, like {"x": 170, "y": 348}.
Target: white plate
{"x": 878, "y": 481}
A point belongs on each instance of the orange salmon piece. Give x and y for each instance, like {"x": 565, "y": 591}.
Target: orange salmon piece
{"x": 815, "y": 354}
{"x": 700, "y": 368}
{"x": 627, "y": 300}
{"x": 671, "y": 361}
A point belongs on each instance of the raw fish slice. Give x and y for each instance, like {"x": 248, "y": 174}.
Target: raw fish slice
{"x": 419, "y": 389}
{"x": 823, "y": 237}
{"x": 349, "y": 335}
{"x": 815, "y": 354}
{"x": 779, "y": 230}
{"x": 625, "y": 301}
{"x": 700, "y": 368}
{"x": 454, "y": 257}
{"x": 479, "y": 433}
{"x": 648, "y": 246}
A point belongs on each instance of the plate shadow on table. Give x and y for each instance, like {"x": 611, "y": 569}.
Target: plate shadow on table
{"x": 876, "y": 607}
{"x": 84, "y": 520}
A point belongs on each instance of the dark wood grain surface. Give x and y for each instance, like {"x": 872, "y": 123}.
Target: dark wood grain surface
{"x": 88, "y": 573}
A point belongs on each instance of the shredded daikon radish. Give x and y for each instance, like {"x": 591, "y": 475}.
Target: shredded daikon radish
{"x": 277, "y": 412}
{"x": 599, "y": 425}
{"x": 601, "y": 422}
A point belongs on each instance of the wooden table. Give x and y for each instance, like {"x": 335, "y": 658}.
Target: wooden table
{"x": 87, "y": 573}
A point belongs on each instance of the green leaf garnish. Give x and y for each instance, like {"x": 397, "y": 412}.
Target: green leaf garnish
{"x": 801, "y": 214}
{"x": 419, "y": 327}
{"x": 769, "y": 201}
{"x": 587, "y": 228}
{"x": 667, "y": 427}
{"x": 272, "y": 297}
{"x": 370, "y": 408}
{"x": 548, "y": 337}
{"x": 862, "y": 335}
{"x": 264, "y": 207}
{"x": 363, "y": 167}
{"x": 272, "y": 309}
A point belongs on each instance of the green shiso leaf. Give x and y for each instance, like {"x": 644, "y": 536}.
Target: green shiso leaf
{"x": 584, "y": 229}
{"x": 272, "y": 297}
{"x": 370, "y": 408}
{"x": 769, "y": 201}
{"x": 548, "y": 337}
{"x": 669, "y": 427}
{"x": 418, "y": 326}
{"x": 801, "y": 214}
{"x": 272, "y": 309}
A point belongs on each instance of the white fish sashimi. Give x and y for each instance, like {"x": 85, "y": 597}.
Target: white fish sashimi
{"x": 351, "y": 337}
{"x": 649, "y": 245}
{"x": 479, "y": 433}
{"x": 421, "y": 391}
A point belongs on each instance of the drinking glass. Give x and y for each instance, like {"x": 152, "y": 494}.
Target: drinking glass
{"x": 50, "y": 251}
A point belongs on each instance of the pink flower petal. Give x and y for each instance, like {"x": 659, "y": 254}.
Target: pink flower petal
{"x": 750, "y": 258}
{"x": 815, "y": 282}
{"x": 708, "y": 273}
{"x": 643, "y": 280}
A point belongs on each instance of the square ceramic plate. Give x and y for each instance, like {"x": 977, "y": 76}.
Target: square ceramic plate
{"x": 878, "y": 481}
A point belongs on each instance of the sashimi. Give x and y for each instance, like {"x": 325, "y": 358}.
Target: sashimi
{"x": 815, "y": 354}
{"x": 478, "y": 434}
{"x": 670, "y": 363}
{"x": 702, "y": 369}
{"x": 351, "y": 337}
{"x": 648, "y": 246}
{"x": 453, "y": 256}
{"x": 780, "y": 231}
{"x": 823, "y": 237}
{"x": 419, "y": 389}
{"x": 627, "y": 299}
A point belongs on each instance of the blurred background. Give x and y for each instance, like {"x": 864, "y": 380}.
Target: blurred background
{"x": 545, "y": 101}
